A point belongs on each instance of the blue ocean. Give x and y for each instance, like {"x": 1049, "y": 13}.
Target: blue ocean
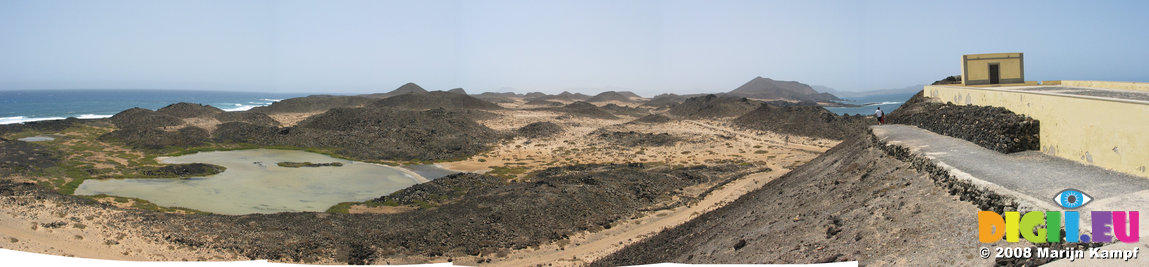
{"x": 887, "y": 102}
{"x": 37, "y": 105}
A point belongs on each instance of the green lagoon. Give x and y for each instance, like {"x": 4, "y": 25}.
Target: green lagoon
{"x": 254, "y": 183}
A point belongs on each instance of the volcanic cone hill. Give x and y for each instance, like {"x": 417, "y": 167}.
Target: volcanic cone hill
{"x": 667, "y": 100}
{"x": 540, "y": 102}
{"x": 493, "y": 97}
{"x": 458, "y": 91}
{"x": 255, "y": 118}
{"x": 564, "y": 96}
{"x": 652, "y": 118}
{"x": 860, "y": 201}
{"x": 144, "y": 118}
{"x": 766, "y": 88}
{"x": 813, "y": 121}
{"x": 404, "y": 89}
{"x": 189, "y": 110}
{"x": 623, "y": 96}
{"x": 315, "y": 103}
{"x": 713, "y": 106}
{"x": 539, "y": 130}
{"x": 155, "y": 138}
{"x": 584, "y": 109}
{"x": 435, "y": 100}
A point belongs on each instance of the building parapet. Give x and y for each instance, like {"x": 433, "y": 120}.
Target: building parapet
{"x": 1135, "y": 86}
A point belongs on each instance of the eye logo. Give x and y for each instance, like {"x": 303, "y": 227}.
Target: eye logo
{"x": 1071, "y": 198}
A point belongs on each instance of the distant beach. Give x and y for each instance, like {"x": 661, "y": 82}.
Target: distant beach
{"x": 38, "y": 105}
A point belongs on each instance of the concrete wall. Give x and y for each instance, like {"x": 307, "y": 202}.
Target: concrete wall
{"x": 975, "y": 68}
{"x": 1112, "y": 134}
{"x": 1102, "y": 84}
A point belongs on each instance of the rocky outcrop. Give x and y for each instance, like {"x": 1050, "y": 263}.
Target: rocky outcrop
{"x": 144, "y": 118}
{"x": 17, "y": 157}
{"x": 625, "y": 111}
{"x": 154, "y": 138}
{"x": 243, "y": 132}
{"x": 636, "y": 139}
{"x": 814, "y": 121}
{"x": 255, "y": 118}
{"x": 545, "y": 103}
{"x": 994, "y": 128}
{"x": 181, "y": 170}
{"x": 584, "y": 109}
{"x": 652, "y": 118}
{"x": 713, "y": 106}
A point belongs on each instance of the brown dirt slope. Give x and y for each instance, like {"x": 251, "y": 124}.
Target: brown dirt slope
{"x": 856, "y": 202}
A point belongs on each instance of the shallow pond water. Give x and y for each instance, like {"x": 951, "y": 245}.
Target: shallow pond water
{"x": 254, "y": 183}
{"x": 37, "y": 139}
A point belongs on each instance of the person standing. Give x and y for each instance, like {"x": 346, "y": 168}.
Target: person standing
{"x": 880, "y": 115}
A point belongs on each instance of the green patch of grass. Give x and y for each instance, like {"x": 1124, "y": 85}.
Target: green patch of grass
{"x": 507, "y": 172}
{"x": 148, "y": 205}
{"x": 760, "y": 152}
{"x": 341, "y": 208}
{"x": 424, "y": 204}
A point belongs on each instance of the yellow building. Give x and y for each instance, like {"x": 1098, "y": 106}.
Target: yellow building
{"x": 996, "y": 68}
{"x": 1100, "y": 123}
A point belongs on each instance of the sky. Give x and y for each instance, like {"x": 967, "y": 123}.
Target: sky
{"x": 649, "y": 47}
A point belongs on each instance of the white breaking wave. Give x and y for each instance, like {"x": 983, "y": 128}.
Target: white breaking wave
{"x": 22, "y": 119}
{"x": 884, "y": 103}
{"x": 251, "y": 104}
{"x": 242, "y": 107}
{"x": 92, "y": 116}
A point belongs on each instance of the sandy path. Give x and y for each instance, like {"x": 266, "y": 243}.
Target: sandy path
{"x": 799, "y": 142}
{"x": 587, "y": 247}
